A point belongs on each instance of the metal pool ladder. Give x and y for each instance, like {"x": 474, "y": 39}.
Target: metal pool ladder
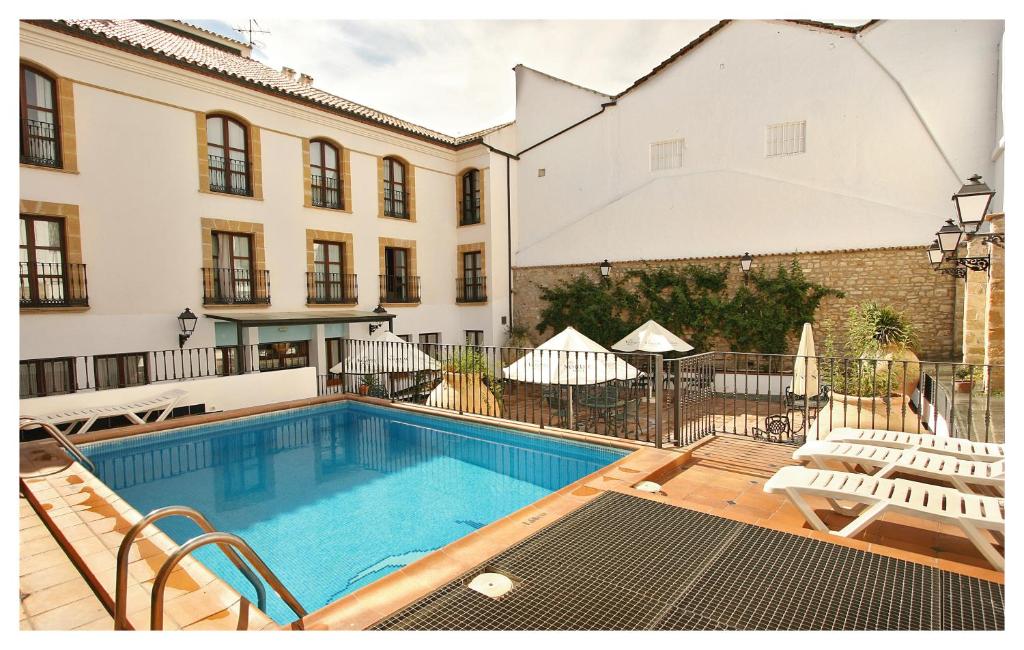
{"x": 229, "y": 544}
{"x": 61, "y": 438}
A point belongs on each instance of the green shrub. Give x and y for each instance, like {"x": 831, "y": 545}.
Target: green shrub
{"x": 871, "y": 327}
{"x": 469, "y": 361}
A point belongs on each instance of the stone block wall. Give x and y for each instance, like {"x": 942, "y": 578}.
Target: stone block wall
{"x": 901, "y": 277}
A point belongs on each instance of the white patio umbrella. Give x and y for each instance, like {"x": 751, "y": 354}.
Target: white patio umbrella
{"x": 652, "y": 338}
{"x": 384, "y": 352}
{"x": 569, "y": 359}
{"x": 805, "y": 366}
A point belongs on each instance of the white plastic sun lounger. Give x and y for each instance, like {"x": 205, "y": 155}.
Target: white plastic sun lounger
{"x": 65, "y": 421}
{"x": 959, "y": 447}
{"x": 964, "y": 475}
{"x": 972, "y": 513}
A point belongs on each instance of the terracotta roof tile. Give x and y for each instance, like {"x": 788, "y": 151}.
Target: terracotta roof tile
{"x": 194, "y": 53}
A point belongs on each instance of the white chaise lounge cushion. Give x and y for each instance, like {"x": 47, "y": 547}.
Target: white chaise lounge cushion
{"x": 959, "y": 447}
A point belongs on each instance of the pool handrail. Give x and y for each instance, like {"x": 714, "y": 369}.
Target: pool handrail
{"x": 121, "y": 576}
{"x": 221, "y": 538}
{"x": 62, "y": 440}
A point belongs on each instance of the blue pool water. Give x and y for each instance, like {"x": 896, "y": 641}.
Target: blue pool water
{"x": 333, "y": 497}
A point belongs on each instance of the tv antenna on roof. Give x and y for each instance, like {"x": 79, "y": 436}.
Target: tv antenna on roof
{"x": 253, "y": 28}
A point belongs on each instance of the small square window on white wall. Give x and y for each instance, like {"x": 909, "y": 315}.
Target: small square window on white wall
{"x": 785, "y": 139}
{"x": 667, "y": 154}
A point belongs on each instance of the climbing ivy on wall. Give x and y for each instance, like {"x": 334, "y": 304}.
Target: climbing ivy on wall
{"x": 693, "y": 301}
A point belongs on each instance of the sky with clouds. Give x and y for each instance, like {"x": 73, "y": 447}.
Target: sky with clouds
{"x": 456, "y": 76}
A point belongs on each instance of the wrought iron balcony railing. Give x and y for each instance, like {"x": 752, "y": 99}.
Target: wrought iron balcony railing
{"x": 327, "y": 192}
{"x": 53, "y": 284}
{"x": 399, "y": 288}
{"x": 230, "y": 177}
{"x": 39, "y": 143}
{"x": 396, "y": 203}
{"x": 235, "y": 287}
{"x": 471, "y": 289}
{"x": 331, "y": 289}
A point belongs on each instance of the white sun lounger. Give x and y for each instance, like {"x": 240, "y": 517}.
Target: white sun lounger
{"x": 65, "y": 421}
{"x": 874, "y": 497}
{"x": 964, "y": 475}
{"x": 959, "y": 447}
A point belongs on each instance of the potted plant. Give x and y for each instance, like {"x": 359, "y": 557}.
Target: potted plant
{"x": 885, "y": 335}
{"x": 468, "y": 385}
{"x": 368, "y": 382}
{"x": 965, "y": 377}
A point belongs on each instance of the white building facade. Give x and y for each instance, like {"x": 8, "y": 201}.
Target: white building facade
{"x": 163, "y": 168}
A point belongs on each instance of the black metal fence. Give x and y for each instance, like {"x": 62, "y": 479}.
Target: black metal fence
{"x": 789, "y": 398}
{"x": 399, "y": 288}
{"x": 53, "y": 284}
{"x": 39, "y": 143}
{"x": 235, "y": 286}
{"x": 594, "y": 392}
{"x": 54, "y": 376}
{"x": 331, "y": 289}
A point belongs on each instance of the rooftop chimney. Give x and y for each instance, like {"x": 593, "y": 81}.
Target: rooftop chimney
{"x": 288, "y": 72}
{"x": 305, "y": 79}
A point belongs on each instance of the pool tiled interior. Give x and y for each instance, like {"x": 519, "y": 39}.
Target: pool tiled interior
{"x": 723, "y": 476}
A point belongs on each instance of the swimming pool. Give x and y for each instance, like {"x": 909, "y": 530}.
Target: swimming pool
{"x": 333, "y": 497}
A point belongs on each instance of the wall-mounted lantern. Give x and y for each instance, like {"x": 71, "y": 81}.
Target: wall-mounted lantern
{"x": 972, "y": 203}
{"x": 746, "y": 261}
{"x": 378, "y": 310}
{"x": 187, "y": 324}
{"x": 606, "y": 269}
{"x": 949, "y": 237}
{"x": 935, "y": 255}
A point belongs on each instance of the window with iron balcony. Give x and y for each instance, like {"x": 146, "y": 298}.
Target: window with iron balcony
{"x": 40, "y": 121}
{"x": 325, "y": 175}
{"x": 227, "y": 143}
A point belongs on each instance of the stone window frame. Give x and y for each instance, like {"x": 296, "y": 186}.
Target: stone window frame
{"x": 209, "y": 225}
{"x": 346, "y": 175}
{"x": 65, "y": 91}
{"x": 410, "y": 188}
{"x": 475, "y": 247}
{"x": 255, "y": 154}
{"x": 391, "y": 242}
{"x": 69, "y": 212}
{"x": 481, "y": 184}
{"x": 349, "y": 260}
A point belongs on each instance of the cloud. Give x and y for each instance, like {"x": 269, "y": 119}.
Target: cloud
{"x": 456, "y": 76}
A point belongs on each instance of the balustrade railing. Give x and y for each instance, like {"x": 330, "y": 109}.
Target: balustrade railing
{"x": 53, "y": 284}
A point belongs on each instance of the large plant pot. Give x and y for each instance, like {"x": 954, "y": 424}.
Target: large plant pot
{"x": 901, "y": 367}
{"x": 465, "y": 392}
{"x": 891, "y": 414}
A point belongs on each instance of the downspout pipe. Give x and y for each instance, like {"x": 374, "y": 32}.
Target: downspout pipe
{"x": 509, "y": 157}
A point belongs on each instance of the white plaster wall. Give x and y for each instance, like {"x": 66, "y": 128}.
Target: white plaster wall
{"x": 218, "y": 393}
{"x": 545, "y": 106}
{"x": 871, "y": 175}
{"x": 140, "y": 207}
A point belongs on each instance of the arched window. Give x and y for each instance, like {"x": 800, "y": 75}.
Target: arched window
{"x": 325, "y": 170}
{"x": 40, "y": 128}
{"x": 396, "y": 203}
{"x": 470, "y": 200}
{"x": 227, "y": 144}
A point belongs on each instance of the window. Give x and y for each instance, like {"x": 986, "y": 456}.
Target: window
{"x": 40, "y": 377}
{"x": 430, "y": 343}
{"x": 325, "y": 172}
{"x": 40, "y": 128}
{"x": 396, "y": 274}
{"x": 232, "y": 268}
{"x": 227, "y": 144}
{"x": 226, "y": 360}
{"x": 432, "y": 337}
{"x": 667, "y": 154}
{"x": 396, "y": 202}
{"x": 333, "y": 351}
{"x": 470, "y": 200}
{"x": 41, "y": 265}
{"x": 785, "y": 139}
{"x": 121, "y": 370}
{"x": 405, "y": 337}
{"x": 474, "y": 337}
{"x": 328, "y": 272}
{"x": 281, "y": 356}
{"x": 471, "y": 288}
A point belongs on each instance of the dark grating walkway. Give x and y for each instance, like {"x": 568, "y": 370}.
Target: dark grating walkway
{"x": 625, "y": 563}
